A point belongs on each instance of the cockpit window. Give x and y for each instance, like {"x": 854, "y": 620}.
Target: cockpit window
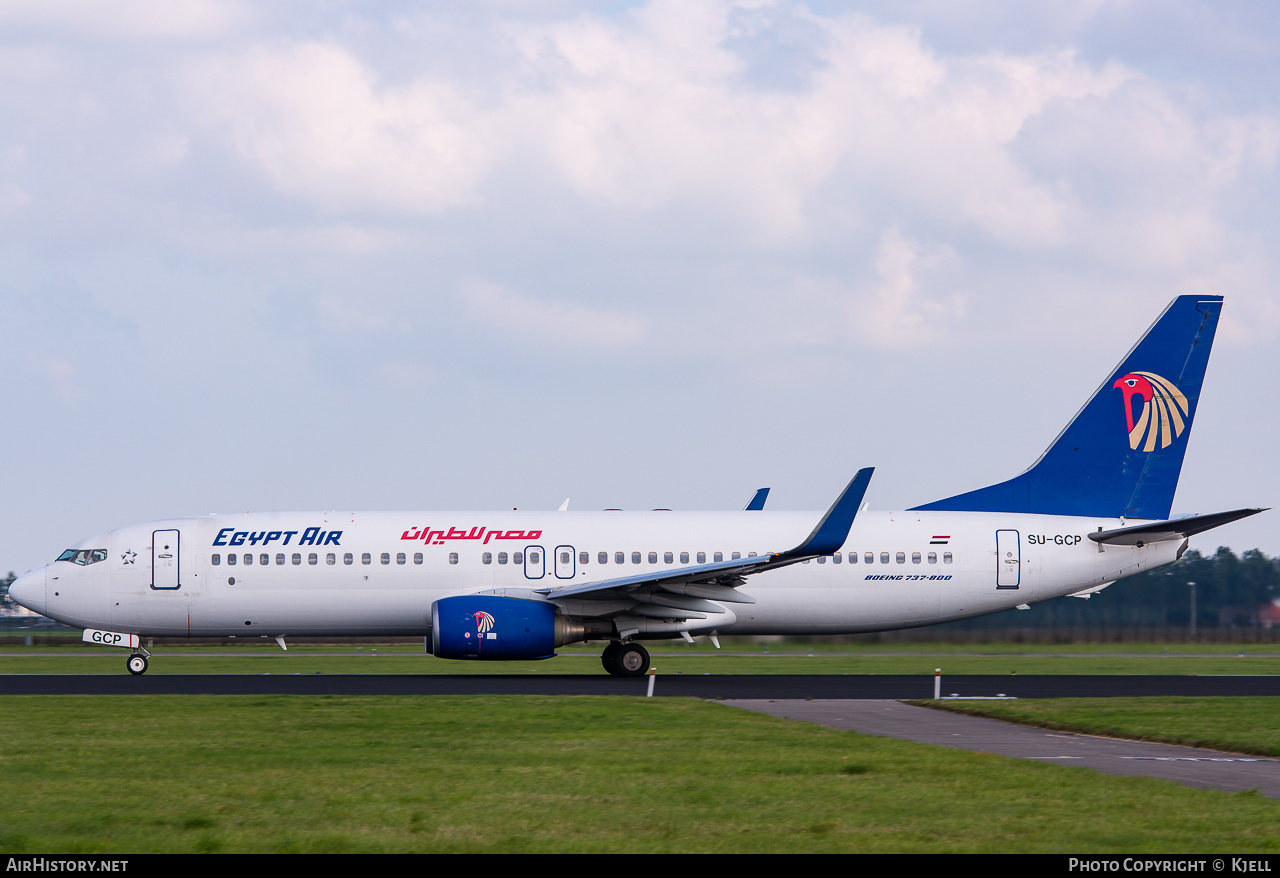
{"x": 83, "y": 557}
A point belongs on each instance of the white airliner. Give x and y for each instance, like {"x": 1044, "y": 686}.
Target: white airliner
{"x": 516, "y": 585}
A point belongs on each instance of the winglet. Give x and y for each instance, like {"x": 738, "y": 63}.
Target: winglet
{"x": 833, "y": 530}
{"x": 757, "y": 501}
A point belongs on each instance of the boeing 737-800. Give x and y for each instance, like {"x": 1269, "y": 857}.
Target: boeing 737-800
{"x": 516, "y": 585}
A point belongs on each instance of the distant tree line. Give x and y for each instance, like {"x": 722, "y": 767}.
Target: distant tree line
{"x": 6, "y": 603}
{"x": 1230, "y": 592}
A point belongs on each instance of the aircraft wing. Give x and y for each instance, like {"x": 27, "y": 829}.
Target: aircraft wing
{"x": 689, "y": 592}
{"x": 1173, "y": 529}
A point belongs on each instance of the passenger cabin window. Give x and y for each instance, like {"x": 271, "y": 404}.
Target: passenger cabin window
{"x": 933, "y": 557}
{"x": 702, "y": 557}
{"x": 684, "y": 557}
{"x": 486, "y": 558}
{"x": 297, "y": 559}
{"x": 248, "y": 558}
{"x": 619, "y": 558}
{"x": 667, "y": 558}
{"x": 417, "y": 557}
{"x": 264, "y": 559}
{"x": 564, "y": 558}
{"x": 517, "y": 557}
{"x": 718, "y": 556}
{"x": 635, "y": 557}
{"x": 280, "y": 558}
{"x": 822, "y": 559}
{"x": 884, "y": 557}
{"x": 386, "y": 558}
{"x": 502, "y": 557}
{"x": 603, "y": 557}
{"x": 216, "y": 559}
{"x": 534, "y": 558}
{"x": 836, "y": 558}
{"x": 366, "y": 558}
{"x": 231, "y": 559}
{"x": 453, "y": 557}
{"x": 736, "y": 555}
{"x": 348, "y": 558}
{"x": 400, "y": 558}
{"x": 901, "y": 557}
{"x": 653, "y": 557}
{"x": 868, "y": 558}
{"x": 313, "y": 559}
{"x": 584, "y": 557}
{"x": 946, "y": 557}
{"x": 915, "y": 557}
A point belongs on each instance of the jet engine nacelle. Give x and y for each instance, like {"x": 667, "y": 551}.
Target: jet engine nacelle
{"x": 496, "y": 628}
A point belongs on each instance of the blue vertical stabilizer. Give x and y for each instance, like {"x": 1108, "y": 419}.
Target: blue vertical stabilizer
{"x": 1122, "y": 453}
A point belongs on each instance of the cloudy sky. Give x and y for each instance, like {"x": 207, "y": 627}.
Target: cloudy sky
{"x": 307, "y": 255}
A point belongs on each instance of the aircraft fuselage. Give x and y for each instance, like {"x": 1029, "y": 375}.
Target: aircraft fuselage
{"x": 365, "y": 574}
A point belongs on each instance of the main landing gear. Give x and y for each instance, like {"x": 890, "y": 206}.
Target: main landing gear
{"x": 137, "y": 664}
{"x": 625, "y": 659}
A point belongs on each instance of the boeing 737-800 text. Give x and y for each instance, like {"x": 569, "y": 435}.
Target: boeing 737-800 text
{"x": 516, "y": 585}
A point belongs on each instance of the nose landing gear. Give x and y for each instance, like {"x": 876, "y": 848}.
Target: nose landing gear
{"x": 625, "y": 659}
{"x": 137, "y": 664}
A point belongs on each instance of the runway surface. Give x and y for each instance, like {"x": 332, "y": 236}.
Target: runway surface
{"x": 1209, "y": 769}
{"x": 732, "y": 686}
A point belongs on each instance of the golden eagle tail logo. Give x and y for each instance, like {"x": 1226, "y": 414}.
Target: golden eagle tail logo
{"x": 1164, "y": 409}
{"x": 484, "y": 622}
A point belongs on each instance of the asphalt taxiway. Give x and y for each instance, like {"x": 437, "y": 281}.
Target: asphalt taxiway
{"x": 1193, "y": 766}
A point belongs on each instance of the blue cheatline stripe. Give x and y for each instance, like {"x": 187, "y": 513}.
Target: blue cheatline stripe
{"x": 1093, "y": 468}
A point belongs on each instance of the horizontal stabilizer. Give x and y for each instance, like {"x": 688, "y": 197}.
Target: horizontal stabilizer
{"x": 1173, "y": 529}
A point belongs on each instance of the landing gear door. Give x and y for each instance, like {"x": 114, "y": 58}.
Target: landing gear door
{"x": 1008, "y": 559}
{"x": 165, "y": 571}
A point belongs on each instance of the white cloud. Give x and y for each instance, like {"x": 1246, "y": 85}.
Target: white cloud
{"x": 58, "y": 373}
{"x": 651, "y": 110}
{"x": 896, "y": 314}
{"x": 348, "y": 314}
{"x": 552, "y": 325}
{"x": 313, "y": 119}
{"x": 128, "y": 19}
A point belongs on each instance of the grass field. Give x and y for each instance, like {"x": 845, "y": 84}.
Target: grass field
{"x": 1240, "y": 725}
{"x": 255, "y": 657}
{"x": 290, "y": 773}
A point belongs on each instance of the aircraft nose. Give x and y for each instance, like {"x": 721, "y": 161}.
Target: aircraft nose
{"x": 28, "y": 590}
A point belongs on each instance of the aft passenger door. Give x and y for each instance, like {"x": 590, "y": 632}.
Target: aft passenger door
{"x": 1008, "y": 559}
